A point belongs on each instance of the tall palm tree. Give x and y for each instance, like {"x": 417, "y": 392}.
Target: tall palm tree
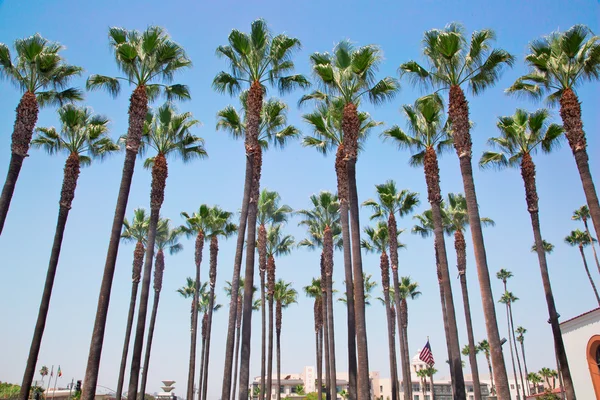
{"x": 203, "y": 307}
{"x": 521, "y": 339}
{"x": 195, "y": 226}
{"x": 454, "y": 64}
{"x": 583, "y": 214}
{"x": 284, "y": 296}
{"x": 521, "y": 135}
{"x": 484, "y": 347}
{"x": 326, "y": 123}
{"x": 148, "y": 60}
{"x": 390, "y": 201}
{"x": 314, "y": 291}
{"x": 83, "y": 136}
{"x": 535, "y": 379}
{"x": 346, "y": 75}
{"x": 558, "y": 63}
{"x": 269, "y": 211}
{"x": 408, "y": 290}
{"x": 220, "y": 225}
{"x": 167, "y": 238}
{"x": 546, "y": 373}
{"x": 169, "y": 134}
{"x": 429, "y": 136}
{"x": 136, "y": 231}
{"x": 254, "y": 59}
{"x": 43, "y": 76}
{"x": 508, "y": 299}
{"x": 458, "y": 219}
{"x": 581, "y": 239}
{"x": 324, "y": 230}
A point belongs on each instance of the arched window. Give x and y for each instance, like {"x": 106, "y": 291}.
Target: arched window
{"x": 593, "y": 358}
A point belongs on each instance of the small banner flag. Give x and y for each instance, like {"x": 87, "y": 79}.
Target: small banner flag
{"x": 59, "y": 372}
{"x": 426, "y": 355}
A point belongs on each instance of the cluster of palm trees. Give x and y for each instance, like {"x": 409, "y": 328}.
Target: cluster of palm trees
{"x": 344, "y": 78}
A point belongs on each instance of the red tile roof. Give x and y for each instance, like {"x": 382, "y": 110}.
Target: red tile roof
{"x": 580, "y": 315}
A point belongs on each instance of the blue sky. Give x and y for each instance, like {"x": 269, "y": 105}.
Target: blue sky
{"x": 295, "y": 172}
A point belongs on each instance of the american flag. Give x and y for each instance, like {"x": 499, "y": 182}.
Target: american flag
{"x": 426, "y": 355}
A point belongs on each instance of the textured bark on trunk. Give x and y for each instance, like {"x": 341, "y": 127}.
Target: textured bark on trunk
{"x": 235, "y": 281}
{"x": 138, "y": 261}
{"x": 27, "y": 115}
{"x": 385, "y": 284}
{"x": 254, "y": 107}
{"x": 461, "y": 262}
{"x": 202, "y": 352}
{"x": 514, "y": 339}
{"x": 198, "y": 247}
{"x": 157, "y": 193}
{"x": 271, "y": 291}
{"x": 405, "y": 379}
{"x": 324, "y": 310}
{"x": 214, "y": 251}
{"x": 262, "y": 263}
{"x": 528, "y": 174}
{"x": 587, "y": 270}
{"x": 319, "y": 348}
{"x": 159, "y": 269}
{"x": 489, "y": 363}
{"x": 138, "y": 108}
{"x": 342, "y": 185}
{"x": 525, "y": 366}
{"x": 512, "y": 356}
{"x": 71, "y": 174}
{"x": 404, "y": 313}
{"x": 570, "y": 112}
{"x": 328, "y": 252}
{"x": 458, "y": 114}
{"x": 443, "y": 302}
{"x": 278, "y": 331}
{"x": 237, "y": 347}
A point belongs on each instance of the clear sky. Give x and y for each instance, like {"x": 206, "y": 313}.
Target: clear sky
{"x": 200, "y": 26}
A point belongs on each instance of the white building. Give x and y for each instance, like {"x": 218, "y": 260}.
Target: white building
{"x": 581, "y": 336}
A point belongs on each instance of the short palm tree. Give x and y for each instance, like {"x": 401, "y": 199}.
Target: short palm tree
{"x": 428, "y": 137}
{"x": 149, "y": 60}
{"x": 83, "y": 136}
{"x": 43, "y": 76}
{"x": 546, "y": 373}
{"x": 455, "y": 63}
{"x": 484, "y": 347}
{"x": 521, "y": 136}
{"x": 407, "y": 290}
{"x": 195, "y": 226}
{"x": 136, "y": 231}
{"x": 547, "y": 246}
{"x": 43, "y": 373}
{"x": 167, "y": 239}
{"x": 558, "y": 64}
{"x": 314, "y": 291}
{"x": 508, "y": 299}
{"x": 346, "y": 76}
{"x": 521, "y": 339}
{"x": 583, "y": 214}
{"x": 168, "y": 134}
{"x": 535, "y": 379}
{"x": 422, "y": 375}
{"x": 220, "y": 225}
{"x": 581, "y": 239}
{"x": 284, "y": 296}
{"x": 430, "y": 372}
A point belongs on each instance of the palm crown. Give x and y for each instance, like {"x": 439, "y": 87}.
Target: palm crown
{"x": 269, "y": 209}
{"x": 81, "y": 133}
{"x": 378, "y": 238}
{"x": 284, "y": 293}
{"x": 38, "y": 68}
{"x": 146, "y": 59}
{"x": 137, "y": 230}
{"x": 314, "y": 289}
{"x": 198, "y": 222}
{"x": 578, "y": 238}
{"x": 456, "y": 213}
{"x": 167, "y": 238}
{"x": 581, "y": 214}
{"x": 504, "y": 275}
{"x": 220, "y": 223}
{"x": 559, "y": 61}
{"x": 189, "y": 289}
{"x": 390, "y": 201}
{"x": 325, "y": 213}
{"x": 508, "y": 298}
{"x": 277, "y": 243}
{"x": 520, "y": 334}
{"x": 408, "y": 289}
{"x": 548, "y": 247}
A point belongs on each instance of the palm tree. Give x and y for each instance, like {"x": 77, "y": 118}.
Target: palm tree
{"x": 136, "y": 231}
{"x": 546, "y": 373}
{"x": 284, "y": 296}
{"x": 43, "y": 76}
{"x": 407, "y": 290}
{"x": 254, "y": 59}
{"x": 314, "y": 291}
{"x": 83, "y": 136}
{"x": 458, "y": 219}
{"x": 148, "y": 60}
{"x": 521, "y": 135}
{"x": 454, "y": 64}
{"x": 581, "y": 239}
{"x": 484, "y": 347}
{"x": 324, "y": 229}
{"x": 347, "y": 75}
{"x": 269, "y": 211}
{"x": 203, "y": 307}
{"x": 167, "y": 238}
{"x": 583, "y": 214}
{"x": 535, "y": 379}
{"x": 390, "y": 202}
{"x": 521, "y": 339}
{"x": 169, "y": 134}
{"x": 558, "y": 63}
{"x": 428, "y": 137}
{"x": 369, "y": 286}
{"x": 430, "y": 372}
{"x": 43, "y": 373}
{"x": 196, "y": 225}
{"x": 547, "y": 246}
{"x": 508, "y": 299}
{"x": 220, "y": 225}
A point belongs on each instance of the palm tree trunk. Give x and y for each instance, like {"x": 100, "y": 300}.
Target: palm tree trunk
{"x": 587, "y": 230}
{"x": 237, "y": 348}
{"x": 271, "y": 290}
{"x": 458, "y": 114}
{"x": 461, "y": 262}
{"x": 328, "y": 252}
{"x": 525, "y": 366}
{"x": 431, "y": 383}
{"x": 278, "y": 329}
{"x": 71, "y": 174}
{"x": 318, "y": 349}
{"x": 27, "y": 115}
{"x": 262, "y": 262}
{"x": 560, "y": 380}
{"x": 138, "y": 261}
{"x": 443, "y": 302}
{"x": 587, "y": 270}
{"x": 159, "y": 269}
{"x": 214, "y": 251}
{"x": 202, "y": 352}
{"x": 406, "y": 356}
{"x": 138, "y": 108}
{"x": 528, "y": 173}
{"x": 570, "y": 112}
{"x": 385, "y": 284}
{"x": 434, "y": 196}
{"x": 514, "y": 339}
{"x": 326, "y": 341}
{"x": 512, "y": 356}
{"x": 199, "y": 246}
{"x": 157, "y": 193}
{"x": 342, "y": 184}
{"x": 405, "y": 380}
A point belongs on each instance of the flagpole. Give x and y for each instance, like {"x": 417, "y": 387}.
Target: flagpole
{"x": 55, "y": 380}
{"x": 71, "y": 387}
